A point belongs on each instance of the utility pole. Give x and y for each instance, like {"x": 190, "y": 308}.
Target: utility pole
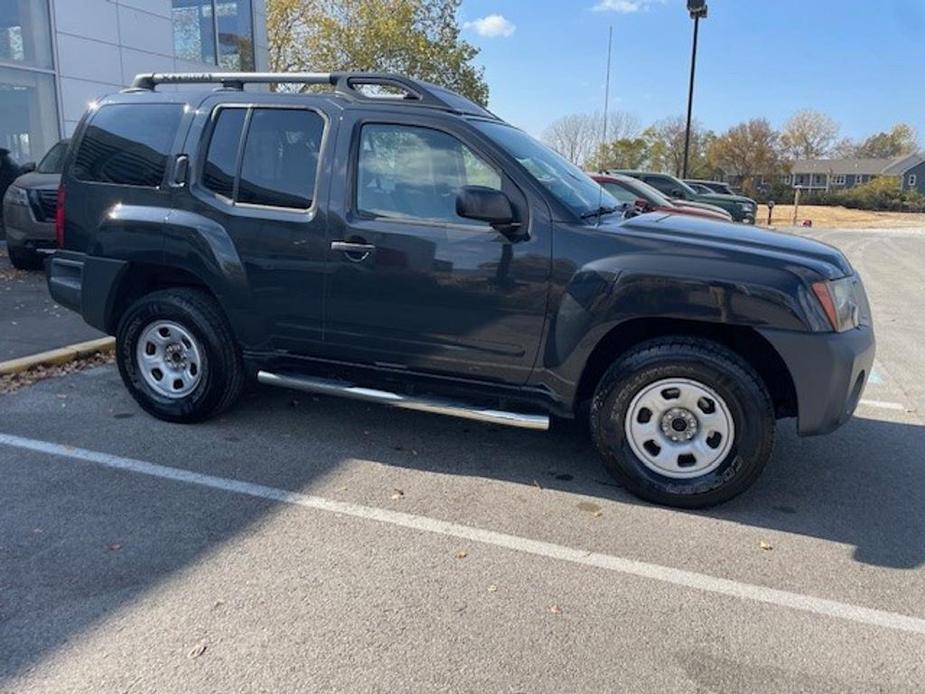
{"x": 697, "y": 9}
{"x": 606, "y": 100}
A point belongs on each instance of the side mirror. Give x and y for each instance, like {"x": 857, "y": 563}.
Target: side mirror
{"x": 486, "y": 205}
{"x": 28, "y": 167}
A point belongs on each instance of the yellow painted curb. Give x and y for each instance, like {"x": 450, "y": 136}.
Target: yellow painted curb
{"x": 61, "y": 355}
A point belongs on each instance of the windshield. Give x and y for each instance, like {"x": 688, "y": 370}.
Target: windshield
{"x": 53, "y": 162}
{"x": 569, "y": 184}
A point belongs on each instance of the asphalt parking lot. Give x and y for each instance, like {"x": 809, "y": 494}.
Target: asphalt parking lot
{"x": 312, "y": 544}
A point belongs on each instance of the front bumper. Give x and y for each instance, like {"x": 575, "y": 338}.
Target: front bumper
{"x": 829, "y": 371}
{"x": 23, "y": 231}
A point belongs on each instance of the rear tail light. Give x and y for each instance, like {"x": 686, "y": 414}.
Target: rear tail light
{"x": 59, "y": 217}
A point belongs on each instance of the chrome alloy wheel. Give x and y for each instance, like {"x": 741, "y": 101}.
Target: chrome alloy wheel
{"x": 679, "y": 428}
{"x": 169, "y": 359}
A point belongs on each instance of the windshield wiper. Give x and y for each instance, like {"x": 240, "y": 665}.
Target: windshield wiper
{"x": 600, "y": 212}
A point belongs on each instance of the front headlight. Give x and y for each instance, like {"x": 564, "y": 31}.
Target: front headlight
{"x": 16, "y": 196}
{"x": 745, "y": 206}
{"x": 843, "y": 301}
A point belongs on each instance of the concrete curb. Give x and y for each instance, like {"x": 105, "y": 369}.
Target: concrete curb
{"x": 61, "y": 355}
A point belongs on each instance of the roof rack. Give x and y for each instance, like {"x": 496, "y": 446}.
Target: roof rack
{"x": 347, "y": 84}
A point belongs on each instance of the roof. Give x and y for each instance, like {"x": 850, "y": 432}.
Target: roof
{"x": 894, "y": 166}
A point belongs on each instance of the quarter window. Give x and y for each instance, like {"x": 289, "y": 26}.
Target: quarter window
{"x": 416, "y": 173}
{"x": 912, "y": 179}
{"x": 128, "y": 144}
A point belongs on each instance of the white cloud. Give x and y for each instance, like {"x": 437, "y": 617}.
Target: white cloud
{"x": 625, "y": 6}
{"x": 491, "y": 25}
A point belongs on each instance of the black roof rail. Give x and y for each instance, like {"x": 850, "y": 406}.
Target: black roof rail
{"x": 348, "y": 84}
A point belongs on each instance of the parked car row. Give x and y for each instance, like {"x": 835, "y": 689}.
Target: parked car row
{"x": 645, "y": 198}
{"x": 29, "y": 207}
{"x": 712, "y": 193}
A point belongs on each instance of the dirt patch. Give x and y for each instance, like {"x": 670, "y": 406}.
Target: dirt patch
{"x": 10, "y": 383}
{"x": 841, "y": 217}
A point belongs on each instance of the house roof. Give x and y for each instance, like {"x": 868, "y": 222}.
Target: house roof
{"x": 895, "y": 166}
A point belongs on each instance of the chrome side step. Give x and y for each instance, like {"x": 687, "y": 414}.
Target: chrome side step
{"x": 407, "y": 402}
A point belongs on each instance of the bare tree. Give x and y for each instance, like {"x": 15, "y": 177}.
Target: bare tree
{"x": 809, "y": 135}
{"x": 665, "y": 139}
{"x": 577, "y": 136}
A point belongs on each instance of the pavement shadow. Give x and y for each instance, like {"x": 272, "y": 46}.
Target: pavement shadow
{"x": 77, "y": 546}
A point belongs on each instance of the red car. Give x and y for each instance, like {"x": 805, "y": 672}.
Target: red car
{"x": 631, "y": 190}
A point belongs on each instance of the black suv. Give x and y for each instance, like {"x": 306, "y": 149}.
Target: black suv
{"x": 390, "y": 241}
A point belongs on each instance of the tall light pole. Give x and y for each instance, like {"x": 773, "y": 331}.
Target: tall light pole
{"x": 697, "y": 9}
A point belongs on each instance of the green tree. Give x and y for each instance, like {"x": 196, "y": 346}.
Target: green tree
{"x": 625, "y": 153}
{"x": 418, "y": 38}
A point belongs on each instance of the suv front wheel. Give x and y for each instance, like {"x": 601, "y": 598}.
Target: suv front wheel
{"x": 683, "y": 422}
{"x": 178, "y": 356}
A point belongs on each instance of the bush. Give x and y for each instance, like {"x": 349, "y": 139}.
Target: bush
{"x": 881, "y": 194}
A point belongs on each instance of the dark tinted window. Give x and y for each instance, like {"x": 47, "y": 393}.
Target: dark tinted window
{"x": 281, "y": 158}
{"x": 664, "y": 185}
{"x": 219, "y": 170}
{"x": 128, "y": 144}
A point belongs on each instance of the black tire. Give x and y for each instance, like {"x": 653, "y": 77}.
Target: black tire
{"x": 712, "y": 365}
{"x": 222, "y": 371}
{"x": 23, "y": 258}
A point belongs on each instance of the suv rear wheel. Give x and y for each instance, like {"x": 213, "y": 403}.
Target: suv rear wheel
{"x": 683, "y": 422}
{"x": 177, "y": 355}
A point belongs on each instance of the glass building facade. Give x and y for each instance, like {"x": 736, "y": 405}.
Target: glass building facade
{"x": 28, "y": 102}
{"x": 56, "y": 56}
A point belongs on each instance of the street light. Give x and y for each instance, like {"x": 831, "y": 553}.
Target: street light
{"x": 697, "y": 9}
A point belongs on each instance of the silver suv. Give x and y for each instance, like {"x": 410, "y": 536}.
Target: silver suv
{"x": 29, "y": 210}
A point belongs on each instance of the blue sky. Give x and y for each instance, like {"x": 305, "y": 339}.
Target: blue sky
{"x": 862, "y": 62}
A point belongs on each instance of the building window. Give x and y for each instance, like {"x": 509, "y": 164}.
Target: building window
{"x": 29, "y": 116}
{"x": 912, "y": 179}
{"x": 859, "y": 178}
{"x": 838, "y": 179}
{"x": 786, "y": 179}
{"x": 217, "y": 32}
{"x": 25, "y": 33}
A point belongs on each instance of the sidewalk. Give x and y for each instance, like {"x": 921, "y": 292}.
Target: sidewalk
{"x": 30, "y": 321}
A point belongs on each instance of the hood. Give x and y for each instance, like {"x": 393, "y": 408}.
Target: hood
{"x": 791, "y": 249}
{"x": 720, "y": 197}
{"x": 34, "y": 179}
{"x": 707, "y": 207}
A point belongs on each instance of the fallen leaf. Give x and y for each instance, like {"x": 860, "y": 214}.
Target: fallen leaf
{"x": 536, "y": 484}
{"x": 462, "y": 554}
{"x": 598, "y": 514}
{"x": 765, "y": 545}
{"x": 197, "y": 650}
{"x": 115, "y": 547}
{"x": 492, "y": 588}
{"x": 555, "y": 609}
{"x": 397, "y": 494}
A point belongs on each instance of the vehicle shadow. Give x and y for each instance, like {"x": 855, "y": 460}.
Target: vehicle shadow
{"x": 81, "y": 542}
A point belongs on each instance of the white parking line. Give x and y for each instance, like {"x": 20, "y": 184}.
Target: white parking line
{"x": 664, "y": 574}
{"x": 883, "y": 405}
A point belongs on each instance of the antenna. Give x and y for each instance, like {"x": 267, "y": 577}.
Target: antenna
{"x": 607, "y": 89}
{"x": 600, "y": 194}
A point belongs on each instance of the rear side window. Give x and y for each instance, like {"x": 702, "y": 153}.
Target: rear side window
{"x": 279, "y": 163}
{"x": 281, "y": 158}
{"x": 128, "y": 144}
{"x": 620, "y": 193}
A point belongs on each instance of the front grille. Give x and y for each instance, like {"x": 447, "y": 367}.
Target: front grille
{"x": 44, "y": 204}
